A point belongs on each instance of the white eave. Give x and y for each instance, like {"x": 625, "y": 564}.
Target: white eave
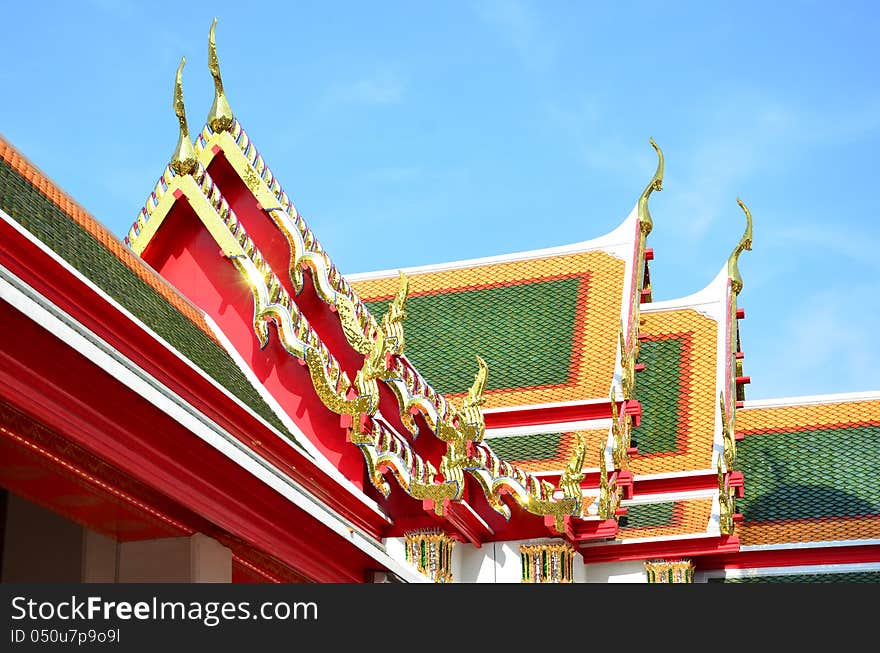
{"x": 618, "y": 243}
{"x": 710, "y": 300}
{"x": 814, "y": 400}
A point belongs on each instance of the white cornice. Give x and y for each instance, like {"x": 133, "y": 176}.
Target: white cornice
{"x": 618, "y": 242}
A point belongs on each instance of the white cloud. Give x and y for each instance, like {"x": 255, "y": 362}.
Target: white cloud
{"x": 824, "y": 344}
{"x": 384, "y": 86}
{"x": 519, "y": 24}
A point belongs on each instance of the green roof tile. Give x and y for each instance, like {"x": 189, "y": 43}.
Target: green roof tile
{"x": 524, "y": 332}
{"x": 540, "y": 446}
{"x": 811, "y": 473}
{"x": 648, "y": 515}
{"x": 658, "y": 387}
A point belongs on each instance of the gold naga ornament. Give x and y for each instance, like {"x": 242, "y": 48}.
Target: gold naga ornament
{"x": 184, "y": 160}
{"x": 628, "y": 357}
{"x": 539, "y": 499}
{"x": 471, "y": 422}
{"x": 621, "y": 435}
{"x": 467, "y": 425}
{"x": 728, "y": 438}
{"x": 271, "y": 302}
{"x": 726, "y": 504}
{"x": 220, "y": 116}
{"x": 573, "y": 474}
{"x": 745, "y": 242}
{"x": 392, "y": 321}
{"x": 385, "y": 450}
{"x": 646, "y": 224}
{"x": 609, "y": 494}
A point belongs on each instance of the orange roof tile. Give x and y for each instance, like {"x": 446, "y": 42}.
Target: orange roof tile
{"x": 545, "y": 452}
{"x": 681, "y": 517}
{"x": 812, "y": 470}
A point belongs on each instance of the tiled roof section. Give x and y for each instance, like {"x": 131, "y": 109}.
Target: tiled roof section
{"x": 682, "y": 517}
{"x": 73, "y": 211}
{"x": 545, "y": 452}
{"x": 546, "y": 327}
{"x": 780, "y": 419}
{"x": 812, "y": 472}
{"x": 842, "y": 577}
{"x": 50, "y": 215}
{"x": 677, "y": 391}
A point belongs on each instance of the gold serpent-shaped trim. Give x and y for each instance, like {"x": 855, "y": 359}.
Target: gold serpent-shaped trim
{"x": 646, "y": 224}
{"x": 357, "y": 335}
{"x": 745, "y": 242}
{"x": 384, "y": 449}
{"x": 183, "y": 161}
{"x": 220, "y": 116}
{"x": 461, "y": 429}
{"x": 358, "y": 325}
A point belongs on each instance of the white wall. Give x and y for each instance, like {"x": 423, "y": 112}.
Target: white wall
{"x": 616, "y": 572}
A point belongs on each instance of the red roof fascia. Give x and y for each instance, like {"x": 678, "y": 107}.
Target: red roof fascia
{"x": 677, "y": 548}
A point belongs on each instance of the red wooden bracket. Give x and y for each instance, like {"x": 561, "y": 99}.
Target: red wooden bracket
{"x": 649, "y": 254}
{"x": 740, "y": 313}
{"x": 634, "y": 409}
{"x": 625, "y": 483}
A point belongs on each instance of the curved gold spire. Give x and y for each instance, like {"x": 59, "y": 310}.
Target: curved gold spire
{"x": 645, "y": 221}
{"x": 220, "y": 115}
{"x": 744, "y": 243}
{"x": 475, "y": 394}
{"x": 183, "y": 161}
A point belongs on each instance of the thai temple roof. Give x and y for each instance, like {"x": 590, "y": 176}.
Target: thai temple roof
{"x": 531, "y": 395}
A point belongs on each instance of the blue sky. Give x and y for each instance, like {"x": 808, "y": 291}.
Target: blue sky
{"x": 410, "y": 133}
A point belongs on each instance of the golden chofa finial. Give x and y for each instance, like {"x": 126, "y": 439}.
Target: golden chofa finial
{"x": 645, "y": 221}
{"x": 184, "y": 161}
{"x": 745, "y": 242}
{"x": 220, "y": 116}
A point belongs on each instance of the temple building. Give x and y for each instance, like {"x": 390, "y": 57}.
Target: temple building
{"x": 212, "y": 400}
